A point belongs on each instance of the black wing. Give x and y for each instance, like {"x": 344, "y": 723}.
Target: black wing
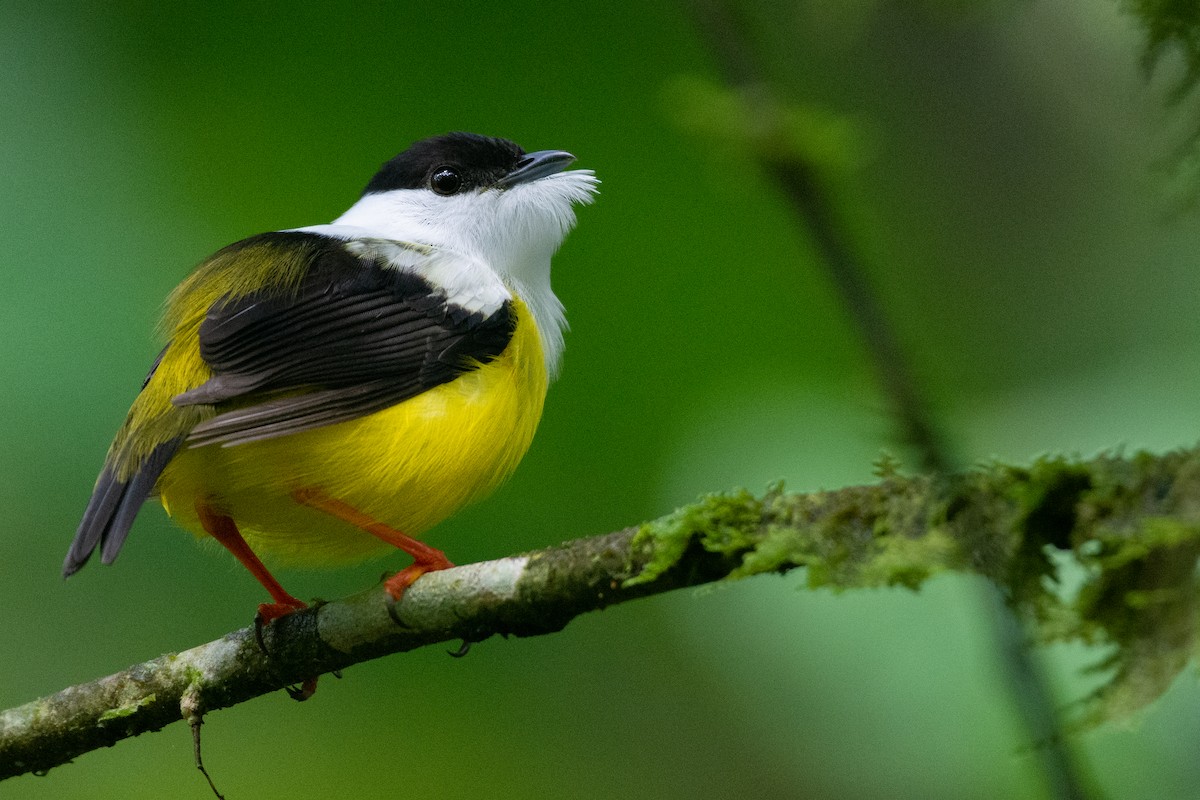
{"x": 355, "y": 337}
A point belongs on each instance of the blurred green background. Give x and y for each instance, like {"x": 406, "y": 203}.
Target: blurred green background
{"x": 1007, "y": 192}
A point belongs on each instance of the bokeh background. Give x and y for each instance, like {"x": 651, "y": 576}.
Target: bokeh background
{"x": 1009, "y": 184}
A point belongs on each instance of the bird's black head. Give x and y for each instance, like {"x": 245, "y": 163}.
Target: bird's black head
{"x": 448, "y": 164}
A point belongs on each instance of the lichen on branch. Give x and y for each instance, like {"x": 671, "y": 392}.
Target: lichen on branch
{"x": 1131, "y": 523}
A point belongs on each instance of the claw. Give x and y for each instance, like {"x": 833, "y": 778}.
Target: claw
{"x": 258, "y": 635}
{"x": 268, "y": 613}
{"x": 391, "y": 609}
{"x": 303, "y": 691}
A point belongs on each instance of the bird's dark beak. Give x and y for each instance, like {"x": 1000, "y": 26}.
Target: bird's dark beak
{"x": 536, "y": 165}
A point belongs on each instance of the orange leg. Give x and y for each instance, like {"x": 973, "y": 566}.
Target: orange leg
{"x": 425, "y": 558}
{"x": 225, "y": 531}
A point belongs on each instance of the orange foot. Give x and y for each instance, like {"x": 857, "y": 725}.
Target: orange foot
{"x": 398, "y": 584}
{"x": 269, "y": 612}
{"x": 225, "y": 531}
{"x": 425, "y": 558}
{"x": 303, "y": 691}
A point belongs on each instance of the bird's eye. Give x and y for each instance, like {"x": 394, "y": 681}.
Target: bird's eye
{"x": 445, "y": 180}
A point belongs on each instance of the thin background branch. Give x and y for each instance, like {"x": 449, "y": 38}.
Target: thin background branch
{"x": 812, "y": 203}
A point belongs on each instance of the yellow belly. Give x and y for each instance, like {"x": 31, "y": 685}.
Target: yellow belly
{"x": 409, "y": 466}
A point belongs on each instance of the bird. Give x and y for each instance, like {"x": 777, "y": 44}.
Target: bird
{"x": 332, "y": 392}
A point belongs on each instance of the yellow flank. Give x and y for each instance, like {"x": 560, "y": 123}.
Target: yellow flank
{"x": 409, "y": 466}
{"x": 234, "y": 271}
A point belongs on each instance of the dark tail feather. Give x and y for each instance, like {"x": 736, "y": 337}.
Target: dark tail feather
{"x": 112, "y": 509}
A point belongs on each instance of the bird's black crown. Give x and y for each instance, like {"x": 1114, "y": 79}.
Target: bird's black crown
{"x": 479, "y": 161}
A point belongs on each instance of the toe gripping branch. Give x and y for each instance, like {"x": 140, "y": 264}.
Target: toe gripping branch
{"x": 425, "y": 558}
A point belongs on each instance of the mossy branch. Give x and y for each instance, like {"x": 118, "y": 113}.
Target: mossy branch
{"x": 1133, "y": 523}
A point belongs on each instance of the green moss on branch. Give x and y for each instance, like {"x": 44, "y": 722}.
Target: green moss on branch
{"x": 1133, "y": 524}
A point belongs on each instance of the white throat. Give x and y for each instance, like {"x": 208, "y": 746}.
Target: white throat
{"x": 480, "y": 247}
